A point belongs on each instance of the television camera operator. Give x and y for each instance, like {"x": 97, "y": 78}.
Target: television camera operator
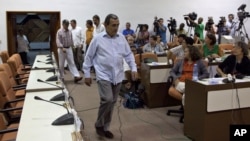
{"x": 210, "y": 26}
{"x": 198, "y": 27}
{"x": 160, "y": 29}
{"x": 231, "y": 25}
{"x": 190, "y": 18}
{"x": 172, "y": 28}
{"x": 222, "y": 28}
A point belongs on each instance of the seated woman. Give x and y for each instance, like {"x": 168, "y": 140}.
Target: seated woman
{"x": 183, "y": 69}
{"x": 210, "y": 48}
{"x": 153, "y": 47}
{"x": 237, "y": 63}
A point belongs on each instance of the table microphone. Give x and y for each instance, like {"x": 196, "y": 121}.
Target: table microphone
{"x": 65, "y": 119}
{"x": 59, "y": 97}
{"x": 50, "y": 62}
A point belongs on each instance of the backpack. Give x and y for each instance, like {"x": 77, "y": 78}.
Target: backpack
{"x": 132, "y": 101}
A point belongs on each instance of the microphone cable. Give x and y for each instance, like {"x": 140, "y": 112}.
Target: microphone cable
{"x": 119, "y": 118}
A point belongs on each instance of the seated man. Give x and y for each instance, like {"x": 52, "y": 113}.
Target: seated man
{"x": 178, "y": 52}
{"x": 175, "y": 42}
{"x": 183, "y": 70}
{"x": 237, "y": 63}
{"x": 128, "y": 32}
{"x": 153, "y": 47}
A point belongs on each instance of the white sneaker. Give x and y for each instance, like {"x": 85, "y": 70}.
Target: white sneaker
{"x": 183, "y": 99}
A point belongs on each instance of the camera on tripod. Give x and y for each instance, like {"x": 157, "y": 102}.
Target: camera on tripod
{"x": 221, "y": 22}
{"x": 209, "y": 23}
{"x": 242, "y": 14}
{"x": 172, "y": 25}
{"x": 192, "y": 16}
{"x": 156, "y": 23}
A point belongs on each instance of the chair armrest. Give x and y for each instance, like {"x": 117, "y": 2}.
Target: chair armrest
{"x": 8, "y": 130}
{"x": 21, "y": 78}
{"x": 21, "y": 85}
{"x": 12, "y": 101}
{"x": 26, "y": 69}
{"x": 18, "y": 88}
{"x": 10, "y": 109}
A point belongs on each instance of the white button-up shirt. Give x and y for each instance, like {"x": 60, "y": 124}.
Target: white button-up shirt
{"x": 77, "y": 35}
{"x": 106, "y": 54}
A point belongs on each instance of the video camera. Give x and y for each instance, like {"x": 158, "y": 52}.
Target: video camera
{"x": 221, "y": 22}
{"x": 192, "y": 16}
{"x": 172, "y": 25}
{"x": 242, "y": 14}
{"x": 209, "y": 23}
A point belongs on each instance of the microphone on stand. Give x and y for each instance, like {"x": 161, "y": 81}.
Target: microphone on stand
{"x": 65, "y": 119}
{"x": 50, "y": 62}
{"x": 59, "y": 97}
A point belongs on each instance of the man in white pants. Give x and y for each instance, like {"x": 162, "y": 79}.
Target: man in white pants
{"x": 64, "y": 42}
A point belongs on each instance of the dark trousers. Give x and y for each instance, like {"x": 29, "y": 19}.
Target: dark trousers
{"x": 24, "y": 57}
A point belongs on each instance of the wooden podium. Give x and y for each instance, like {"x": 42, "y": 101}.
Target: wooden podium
{"x": 154, "y": 77}
{"x": 210, "y": 109}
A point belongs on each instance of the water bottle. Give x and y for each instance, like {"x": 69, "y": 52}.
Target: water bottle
{"x": 195, "y": 73}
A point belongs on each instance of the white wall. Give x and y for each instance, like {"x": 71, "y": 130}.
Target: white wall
{"x": 135, "y": 11}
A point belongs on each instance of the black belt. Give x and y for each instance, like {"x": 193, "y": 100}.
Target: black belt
{"x": 67, "y": 47}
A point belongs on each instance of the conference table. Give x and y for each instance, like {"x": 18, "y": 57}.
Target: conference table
{"x": 41, "y": 62}
{"x": 34, "y": 85}
{"x": 211, "y": 106}
{"x": 37, "y": 116}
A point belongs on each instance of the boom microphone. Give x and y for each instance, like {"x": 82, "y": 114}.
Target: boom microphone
{"x": 242, "y": 7}
{"x": 59, "y": 97}
{"x": 65, "y": 119}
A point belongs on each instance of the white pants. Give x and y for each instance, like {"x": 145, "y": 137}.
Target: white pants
{"x": 68, "y": 55}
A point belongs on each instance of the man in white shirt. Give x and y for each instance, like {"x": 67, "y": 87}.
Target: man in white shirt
{"x": 77, "y": 35}
{"x": 98, "y": 26}
{"x": 22, "y": 46}
{"x": 231, "y": 25}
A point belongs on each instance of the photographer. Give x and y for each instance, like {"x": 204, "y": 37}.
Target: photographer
{"x": 143, "y": 35}
{"x": 231, "y": 25}
{"x": 198, "y": 27}
{"x": 210, "y": 27}
{"x": 222, "y": 28}
{"x": 162, "y": 31}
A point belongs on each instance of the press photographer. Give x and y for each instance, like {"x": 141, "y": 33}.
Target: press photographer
{"x": 156, "y": 25}
{"x": 198, "y": 27}
{"x": 190, "y": 17}
{"x": 172, "y": 25}
{"x": 210, "y": 27}
{"x": 222, "y": 28}
{"x": 162, "y": 29}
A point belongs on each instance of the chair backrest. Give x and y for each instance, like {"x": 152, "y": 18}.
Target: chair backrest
{"x": 6, "y": 88}
{"x": 13, "y": 65}
{"x": 225, "y": 47}
{"x": 2, "y": 125}
{"x": 141, "y": 57}
{"x": 6, "y": 68}
{"x": 4, "y": 56}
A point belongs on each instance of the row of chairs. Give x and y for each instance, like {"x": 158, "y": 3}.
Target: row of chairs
{"x": 14, "y": 76}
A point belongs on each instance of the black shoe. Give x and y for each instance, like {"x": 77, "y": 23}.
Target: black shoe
{"x": 77, "y": 79}
{"x": 100, "y": 131}
{"x": 109, "y": 134}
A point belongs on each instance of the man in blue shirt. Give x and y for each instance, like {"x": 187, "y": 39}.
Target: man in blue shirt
{"x": 126, "y": 32}
{"x": 162, "y": 32}
{"x": 106, "y": 53}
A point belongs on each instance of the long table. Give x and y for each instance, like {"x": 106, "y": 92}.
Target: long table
{"x": 41, "y": 63}
{"x": 37, "y": 116}
{"x": 34, "y": 85}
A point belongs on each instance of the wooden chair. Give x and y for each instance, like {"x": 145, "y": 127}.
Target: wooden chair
{"x": 4, "y": 56}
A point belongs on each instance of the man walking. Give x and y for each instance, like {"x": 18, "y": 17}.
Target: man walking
{"x": 64, "y": 42}
{"x": 106, "y": 53}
